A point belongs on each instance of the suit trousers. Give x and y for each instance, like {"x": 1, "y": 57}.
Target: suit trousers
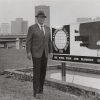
{"x": 39, "y": 72}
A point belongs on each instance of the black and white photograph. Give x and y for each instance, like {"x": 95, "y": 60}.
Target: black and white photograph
{"x": 49, "y": 50}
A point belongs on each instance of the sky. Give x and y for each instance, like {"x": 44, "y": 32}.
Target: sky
{"x": 61, "y": 11}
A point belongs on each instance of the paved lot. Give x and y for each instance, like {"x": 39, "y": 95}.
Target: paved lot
{"x": 11, "y": 89}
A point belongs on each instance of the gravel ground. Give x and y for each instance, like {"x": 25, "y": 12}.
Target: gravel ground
{"x": 11, "y": 89}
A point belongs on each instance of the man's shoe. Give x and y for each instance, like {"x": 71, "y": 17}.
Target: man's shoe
{"x": 34, "y": 94}
{"x": 39, "y": 96}
{"x": 36, "y": 98}
{"x": 40, "y": 91}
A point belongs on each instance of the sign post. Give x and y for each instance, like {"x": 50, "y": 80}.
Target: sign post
{"x": 61, "y": 45}
{"x": 63, "y": 71}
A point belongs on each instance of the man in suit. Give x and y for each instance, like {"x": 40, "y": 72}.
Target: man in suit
{"x": 38, "y": 45}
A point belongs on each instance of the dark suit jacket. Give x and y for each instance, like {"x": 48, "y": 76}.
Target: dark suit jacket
{"x": 36, "y": 41}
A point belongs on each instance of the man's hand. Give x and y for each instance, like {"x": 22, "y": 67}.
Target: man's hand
{"x": 29, "y": 56}
{"x": 51, "y": 55}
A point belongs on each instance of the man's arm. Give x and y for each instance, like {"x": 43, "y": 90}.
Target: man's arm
{"x": 29, "y": 43}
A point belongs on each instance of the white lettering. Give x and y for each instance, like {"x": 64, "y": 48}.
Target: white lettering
{"x": 61, "y": 57}
{"x": 76, "y": 58}
{"x": 68, "y": 58}
{"x": 86, "y": 59}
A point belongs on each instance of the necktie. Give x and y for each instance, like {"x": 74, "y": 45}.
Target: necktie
{"x": 42, "y": 30}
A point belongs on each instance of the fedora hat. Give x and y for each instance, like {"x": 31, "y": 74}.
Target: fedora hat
{"x": 41, "y": 14}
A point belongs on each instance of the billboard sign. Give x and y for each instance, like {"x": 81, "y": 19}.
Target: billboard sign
{"x": 78, "y": 42}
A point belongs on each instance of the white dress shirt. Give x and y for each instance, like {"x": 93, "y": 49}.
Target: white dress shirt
{"x": 42, "y": 27}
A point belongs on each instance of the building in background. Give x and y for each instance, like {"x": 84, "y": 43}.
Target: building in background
{"x": 46, "y": 10}
{"x": 4, "y": 29}
{"x": 97, "y": 19}
{"x": 82, "y": 20}
{"x": 19, "y": 27}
